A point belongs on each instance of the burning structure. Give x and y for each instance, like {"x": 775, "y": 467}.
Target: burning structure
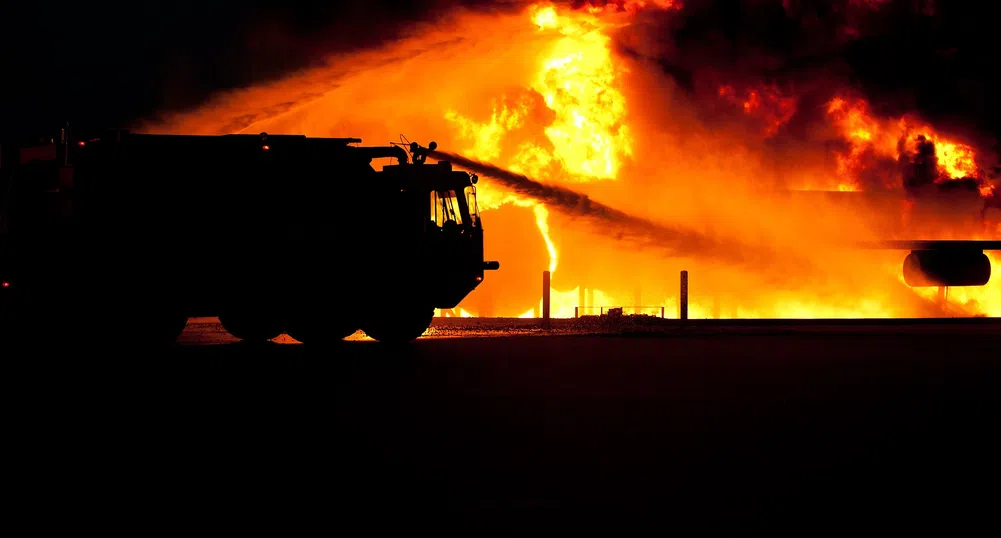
{"x": 734, "y": 140}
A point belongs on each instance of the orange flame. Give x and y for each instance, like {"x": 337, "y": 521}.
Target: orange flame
{"x": 894, "y": 139}
{"x": 546, "y": 95}
{"x": 578, "y": 81}
{"x": 766, "y": 104}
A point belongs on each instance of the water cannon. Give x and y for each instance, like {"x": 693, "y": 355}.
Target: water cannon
{"x": 419, "y": 153}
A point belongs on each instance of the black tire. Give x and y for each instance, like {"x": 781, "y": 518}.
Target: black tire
{"x": 399, "y": 328}
{"x": 251, "y": 327}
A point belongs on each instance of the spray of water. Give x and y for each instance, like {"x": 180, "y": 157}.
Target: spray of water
{"x": 614, "y": 223}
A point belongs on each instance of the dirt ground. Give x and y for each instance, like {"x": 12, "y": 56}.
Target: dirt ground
{"x": 717, "y": 431}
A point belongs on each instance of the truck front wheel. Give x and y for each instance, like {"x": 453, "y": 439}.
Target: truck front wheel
{"x": 399, "y": 327}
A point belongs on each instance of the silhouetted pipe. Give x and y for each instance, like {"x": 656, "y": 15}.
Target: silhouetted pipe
{"x": 491, "y": 266}
{"x": 545, "y": 297}
{"x": 683, "y": 300}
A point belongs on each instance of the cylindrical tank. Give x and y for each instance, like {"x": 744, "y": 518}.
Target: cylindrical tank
{"x": 924, "y": 268}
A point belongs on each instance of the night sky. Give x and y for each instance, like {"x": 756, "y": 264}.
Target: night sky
{"x": 94, "y": 63}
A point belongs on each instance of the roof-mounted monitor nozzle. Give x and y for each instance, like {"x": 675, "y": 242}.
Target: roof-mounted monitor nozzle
{"x": 421, "y": 154}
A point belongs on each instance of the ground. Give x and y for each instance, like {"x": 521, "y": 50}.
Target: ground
{"x": 701, "y": 430}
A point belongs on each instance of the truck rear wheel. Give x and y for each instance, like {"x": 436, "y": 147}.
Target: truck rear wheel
{"x": 400, "y": 327}
{"x": 251, "y": 327}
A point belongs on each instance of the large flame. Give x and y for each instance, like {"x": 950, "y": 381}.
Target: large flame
{"x": 544, "y": 93}
{"x": 577, "y": 80}
{"x": 897, "y": 139}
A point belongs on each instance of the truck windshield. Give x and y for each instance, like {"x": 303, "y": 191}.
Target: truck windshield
{"x": 446, "y": 207}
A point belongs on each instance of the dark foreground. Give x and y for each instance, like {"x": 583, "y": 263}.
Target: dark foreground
{"x": 860, "y": 430}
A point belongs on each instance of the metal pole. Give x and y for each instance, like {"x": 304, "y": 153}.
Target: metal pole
{"x": 683, "y": 301}
{"x": 662, "y": 312}
{"x": 545, "y": 297}
{"x": 576, "y": 311}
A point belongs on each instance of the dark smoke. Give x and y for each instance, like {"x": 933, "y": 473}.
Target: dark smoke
{"x": 102, "y": 63}
{"x": 932, "y": 59}
{"x": 920, "y": 169}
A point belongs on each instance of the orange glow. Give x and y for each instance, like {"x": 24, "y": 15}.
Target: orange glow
{"x": 987, "y": 190}
{"x": 545, "y": 93}
{"x": 765, "y": 104}
{"x": 986, "y": 300}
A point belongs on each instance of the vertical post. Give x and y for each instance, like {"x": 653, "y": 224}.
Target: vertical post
{"x": 545, "y": 298}
{"x": 683, "y": 300}
{"x": 576, "y": 311}
{"x": 662, "y": 312}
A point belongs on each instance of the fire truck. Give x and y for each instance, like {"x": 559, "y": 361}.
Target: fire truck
{"x": 134, "y": 233}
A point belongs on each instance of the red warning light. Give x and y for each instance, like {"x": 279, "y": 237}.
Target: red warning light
{"x": 5, "y": 284}
{"x": 265, "y": 147}
{"x": 81, "y": 143}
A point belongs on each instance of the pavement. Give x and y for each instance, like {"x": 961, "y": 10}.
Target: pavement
{"x": 873, "y": 427}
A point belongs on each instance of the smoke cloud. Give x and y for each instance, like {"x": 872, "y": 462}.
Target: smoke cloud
{"x": 919, "y": 57}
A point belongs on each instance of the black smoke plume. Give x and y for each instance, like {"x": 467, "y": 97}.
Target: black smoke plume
{"x": 933, "y": 59}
